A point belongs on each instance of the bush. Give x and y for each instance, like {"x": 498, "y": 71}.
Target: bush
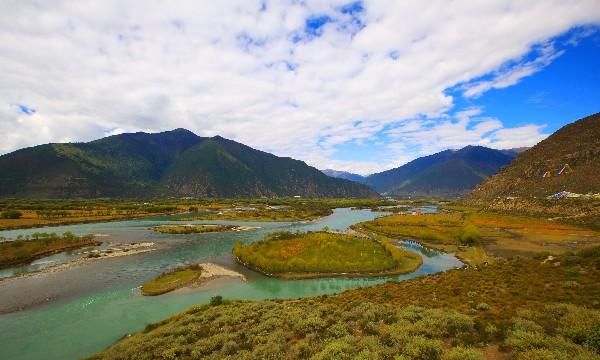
{"x": 422, "y": 348}
{"x": 482, "y": 307}
{"x": 543, "y": 354}
{"x": 11, "y": 214}
{"x": 470, "y": 235}
{"x": 216, "y": 300}
{"x": 463, "y": 353}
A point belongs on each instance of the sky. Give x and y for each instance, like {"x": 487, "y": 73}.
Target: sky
{"x": 360, "y": 86}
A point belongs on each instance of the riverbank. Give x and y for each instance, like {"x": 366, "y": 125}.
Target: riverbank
{"x": 24, "y": 251}
{"x": 116, "y": 250}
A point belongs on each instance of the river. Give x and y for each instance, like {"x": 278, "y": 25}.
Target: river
{"x": 79, "y": 311}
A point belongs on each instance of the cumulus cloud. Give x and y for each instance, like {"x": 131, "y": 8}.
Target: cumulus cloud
{"x": 294, "y": 78}
{"x": 426, "y": 136}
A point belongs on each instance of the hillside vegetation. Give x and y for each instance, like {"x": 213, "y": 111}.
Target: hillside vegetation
{"x": 315, "y": 254}
{"x": 522, "y": 188}
{"x": 175, "y": 163}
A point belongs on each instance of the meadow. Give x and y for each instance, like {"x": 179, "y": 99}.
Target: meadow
{"x": 478, "y": 236}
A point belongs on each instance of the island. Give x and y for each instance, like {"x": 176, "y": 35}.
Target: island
{"x": 199, "y": 228}
{"x": 194, "y": 275}
{"x": 24, "y": 250}
{"x": 325, "y": 254}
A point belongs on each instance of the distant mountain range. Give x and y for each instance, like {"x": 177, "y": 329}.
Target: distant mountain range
{"x": 175, "y": 163}
{"x": 450, "y": 173}
{"x": 344, "y": 175}
{"x": 568, "y": 160}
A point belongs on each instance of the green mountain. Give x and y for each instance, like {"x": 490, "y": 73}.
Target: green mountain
{"x": 450, "y": 173}
{"x": 175, "y": 163}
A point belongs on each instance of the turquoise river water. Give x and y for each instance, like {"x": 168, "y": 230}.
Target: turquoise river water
{"x": 76, "y": 312}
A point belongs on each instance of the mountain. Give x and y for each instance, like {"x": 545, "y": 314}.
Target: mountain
{"x": 344, "y": 175}
{"x": 576, "y": 144}
{"x": 450, "y": 173}
{"x": 175, "y": 163}
{"x": 515, "y": 151}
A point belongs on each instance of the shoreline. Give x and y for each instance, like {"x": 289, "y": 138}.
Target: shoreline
{"x": 87, "y": 221}
{"x": 320, "y": 275}
{"x": 48, "y": 253}
{"x": 132, "y": 249}
{"x": 209, "y": 272}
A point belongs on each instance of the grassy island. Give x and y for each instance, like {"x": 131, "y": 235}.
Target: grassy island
{"x": 25, "y": 250}
{"x": 172, "y": 280}
{"x": 323, "y": 254}
{"x": 192, "y": 275}
{"x": 265, "y": 213}
{"x": 194, "y": 229}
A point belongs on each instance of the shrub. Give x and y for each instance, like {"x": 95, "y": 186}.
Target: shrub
{"x": 470, "y": 235}
{"x": 422, "y": 348}
{"x": 571, "y": 285}
{"x": 482, "y": 306}
{"x": 11, "y": 214}
{"x": 463, "y": 353}
{"x": 337, "y": 330}
{"x": 216, "y": 300}
{"x": 543, "y": 354}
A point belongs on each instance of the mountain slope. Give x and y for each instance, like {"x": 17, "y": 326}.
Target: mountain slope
{"x": 173, "y": 163}
{"x": 576, "y": 144}
{"x": 449, "y": 173}
{"x": 344, "y": 175}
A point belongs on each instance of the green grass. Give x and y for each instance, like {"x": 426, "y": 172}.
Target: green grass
{"x": 315, "y": 254}
{"x": 192, "y": 229}
{"x": 24, "y": 250}
{"x": 171, "y": 281}
{"x": 511, "y": 309}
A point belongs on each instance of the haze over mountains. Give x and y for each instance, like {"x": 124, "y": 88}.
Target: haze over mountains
{"x": 175, "y": 163}
{"x": 344, "y": 175}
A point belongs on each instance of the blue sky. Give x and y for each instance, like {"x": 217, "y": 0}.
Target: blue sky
{"x": 360, "y": 86}
{"x": 565, "y": 90}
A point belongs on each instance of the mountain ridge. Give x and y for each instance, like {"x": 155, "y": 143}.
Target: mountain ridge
{"x": 175, "y": 163}
{"x": 449, "y": 173}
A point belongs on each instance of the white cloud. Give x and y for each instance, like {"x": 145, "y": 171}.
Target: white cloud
{"x": 91, "y": 68}
{"x": 427, "y": 136}
{"x": 513, "y": 73}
